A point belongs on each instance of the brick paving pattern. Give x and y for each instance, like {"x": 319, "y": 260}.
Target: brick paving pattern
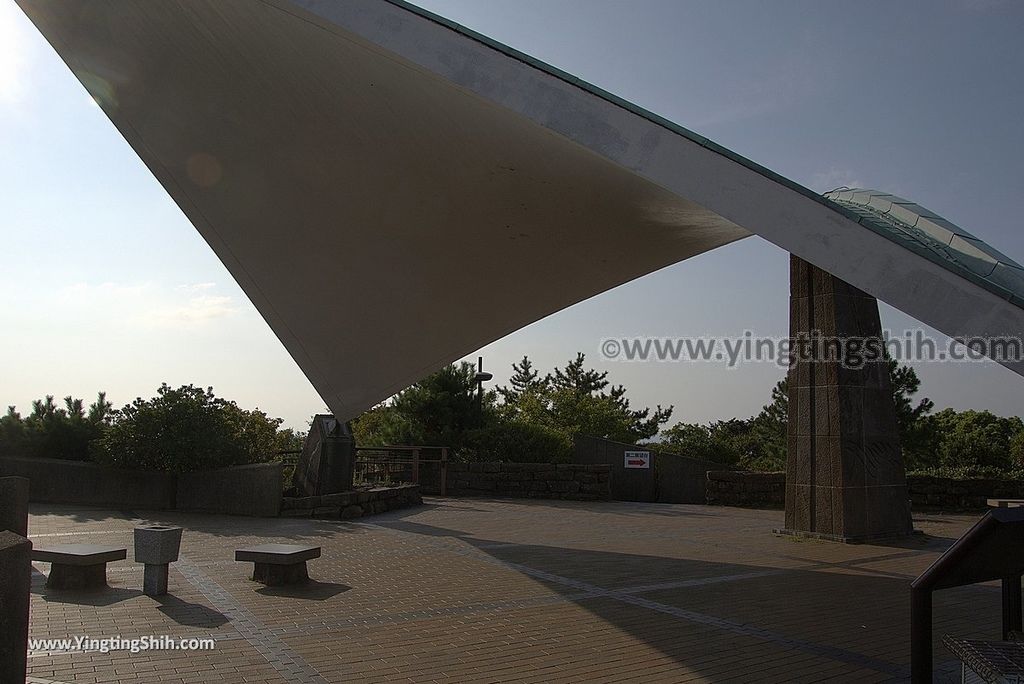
{"x": 482, "y": 590}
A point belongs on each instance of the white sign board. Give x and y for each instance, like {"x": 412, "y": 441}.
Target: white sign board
{"x": 637, "y": 459}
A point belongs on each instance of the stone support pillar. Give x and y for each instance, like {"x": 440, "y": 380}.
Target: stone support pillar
{"x": 844, "y": 476}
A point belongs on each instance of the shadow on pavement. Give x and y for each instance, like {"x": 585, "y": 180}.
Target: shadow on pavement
{"x": 845, "y": 610}
{"x": 310, "y": 591}
{"x": 190, "y": 614}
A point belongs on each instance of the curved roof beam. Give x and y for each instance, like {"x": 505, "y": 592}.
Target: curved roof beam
{"x": 393, "y": 191}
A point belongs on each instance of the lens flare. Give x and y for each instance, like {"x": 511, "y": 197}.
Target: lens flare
{"x": 203, "y": 169}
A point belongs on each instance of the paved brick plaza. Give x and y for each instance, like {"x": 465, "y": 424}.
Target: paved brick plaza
{"x": 492, "y": 591}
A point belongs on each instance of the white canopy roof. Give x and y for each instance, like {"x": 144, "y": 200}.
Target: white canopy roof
{"x": 394, "y": 192}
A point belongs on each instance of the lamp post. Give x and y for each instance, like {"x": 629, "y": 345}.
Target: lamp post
{"x": 481, "y": 377}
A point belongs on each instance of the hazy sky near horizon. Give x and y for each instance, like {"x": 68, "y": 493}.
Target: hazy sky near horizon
{"x": 105, "y": 285}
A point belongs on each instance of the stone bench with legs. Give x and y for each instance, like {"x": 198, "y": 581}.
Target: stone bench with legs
{"x": 278, "y": 564}
{"x": 78, "y": 566}
{"x": 1005, "y": 503}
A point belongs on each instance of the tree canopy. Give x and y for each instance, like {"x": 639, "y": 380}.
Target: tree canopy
{"x": 760, "y": 442}
{"x": 179, "y": 430}
{"x": 533, "y": 418}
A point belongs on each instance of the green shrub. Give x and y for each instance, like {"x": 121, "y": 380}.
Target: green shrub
{"x": 975, "y": 439}
{"x": 54, "y": 432}
{"x": 970, "y": 473}
{"x": 187, "y": 429}
{"x": 516, "y": 441}
{"x": 13, "y": 436}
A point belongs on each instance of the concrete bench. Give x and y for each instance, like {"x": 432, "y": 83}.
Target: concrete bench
{"x": 78, "y": 566}
{"x": 1005, "y": 503}
{"x": 278, "y": 564}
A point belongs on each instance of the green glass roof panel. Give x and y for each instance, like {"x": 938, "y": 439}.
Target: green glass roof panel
{"x": 936, "y": 238}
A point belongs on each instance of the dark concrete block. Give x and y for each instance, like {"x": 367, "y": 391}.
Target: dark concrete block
{"x": 254, "y": 489}
{"x": 154, "y": 579}
{"x": 803, "y": 458}
{"x": 801, "y": 509}
{"x": 827, "y": 375}
{"x": 847, "y": 323}
{"x": 883, "y": 463}
{"x": 823, "y": 312}
{"x": 15, "y": 583}
{"x": 277, "y": 554}
{"x": 792, "y": 462}
{"x": 851, "y": 377}
{"x": 850, "y": 411}
{"x": 802, "y": 410}
{"x": 824, "y": 399}
{"x": 823, "y": 497}
{"x": 157, "y": 544}
{"x": 821, "y": 281}
{"x": 328, "y": 458}
{"x": 78, "y": 566}
{"x": 77, "y": 577}
{"x": 838, "y": 512}
{"x": 279, "y": 575}
{"x": 879, "y": 413}
{"x": 278, "y": 564}
{"x": 799, "y": 312}
{"x": 79, "y": 554}
{"x": 868, "y": 318}
{"x": 14, "y": 505}
{"x": 854, "y": 521}
{"x": 798, "y": 278}
{"x": 805, "y": 373}
{"x": 823, "y": 461}
{"x": 843, "y": 435}
{"x": 853, "y": 463}
{"x": 888, "y": 511}
{"x": 876, "y": 377}
{"x": 829, "y": 448}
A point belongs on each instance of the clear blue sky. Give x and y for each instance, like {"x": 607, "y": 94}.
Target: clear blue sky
{"x": 105, "y": 285}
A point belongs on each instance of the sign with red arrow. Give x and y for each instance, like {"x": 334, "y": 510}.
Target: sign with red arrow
{"x": 637, "y": 459}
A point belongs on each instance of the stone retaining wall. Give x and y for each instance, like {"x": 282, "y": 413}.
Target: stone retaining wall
{"x": 574, "y": 481}
{"x": 768, "y": 490}
{"x": 253, "y": 490}
{"x": 940, "y": 492}
{"x": 670, "y": 477}
{"x": 750, "y": 490}
{"x": 351, "y": 505}
{"x": 53, "y": 480}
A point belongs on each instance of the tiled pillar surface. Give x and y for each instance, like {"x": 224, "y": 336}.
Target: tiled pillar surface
{"x": 844, "y": 474}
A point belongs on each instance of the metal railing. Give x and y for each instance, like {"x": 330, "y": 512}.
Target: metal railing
{"x": 404, "y": 463}
{"x": 392, "y": 463}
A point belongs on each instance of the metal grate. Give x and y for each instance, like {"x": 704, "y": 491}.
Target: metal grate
{"x": 996, "y": 662}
